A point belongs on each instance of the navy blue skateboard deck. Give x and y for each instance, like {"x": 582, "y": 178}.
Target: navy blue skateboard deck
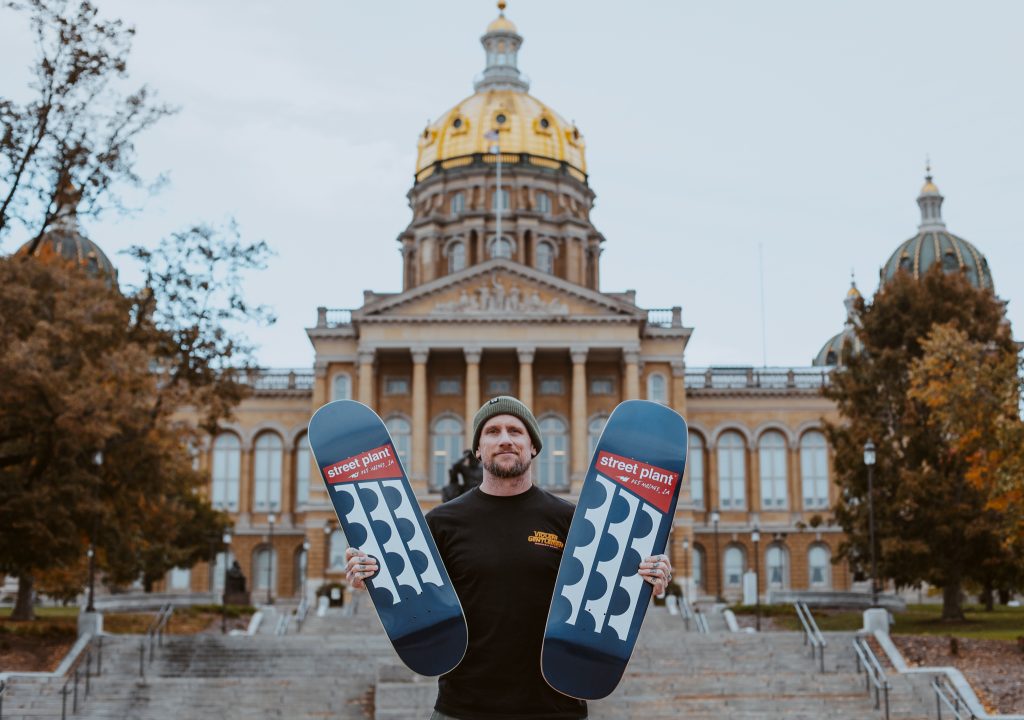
{"x": 624, "y": 514}
{"x": 411, "y": 591}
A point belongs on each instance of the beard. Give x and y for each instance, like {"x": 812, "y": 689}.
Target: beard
{"x": 506, "y": 472}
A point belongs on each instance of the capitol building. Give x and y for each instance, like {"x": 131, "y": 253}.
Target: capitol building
{"x": 502, "y": 294}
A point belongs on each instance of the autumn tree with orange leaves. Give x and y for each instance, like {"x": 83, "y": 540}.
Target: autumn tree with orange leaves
{"x": 935, "y": 389}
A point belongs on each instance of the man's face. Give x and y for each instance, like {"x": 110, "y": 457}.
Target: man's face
{"x": 505, "y": 447}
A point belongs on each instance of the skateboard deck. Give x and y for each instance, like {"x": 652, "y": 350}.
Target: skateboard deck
{"x": 624, "y": 514}
{"x": 379, "y": 514}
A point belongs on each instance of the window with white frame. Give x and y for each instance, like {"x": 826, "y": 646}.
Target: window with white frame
{"x": 735, "y": 564}
{"x": 302, "y": 463}
{"x": 267, "y": 473}
{"x": 771, "y": 455}
{"x": 698, "y": 564}
{"x": 180, "y": 578}
{"x": 551, "y": 386}
{"x": 301, "y": 565}
{"x": 456, "y": 256}
{"x": 341, "y": 387}
{"x": 552, "y": 465}
{"x": 777, "y": 565}
{"x": 336, "y": 552}
{"x": 446, "y": 441}
{"x": 602, "y": 386}
{"x": 657, "y": 389}
{"x": 227, "y": 463}
{"x": 545, "y": 257}
{"x": 695, "y": 464}
{"x": 458, "y": 203}
{"x": 401, "y": 436}
{"x": 814, "y": 470}
{"x": 501, "y": 247}
{"x": 731, "y": 471}
{"x": 819, "y": 562}
{"x": 504, "y": 195}
{"x": 543, "y": 203}
{"x": 499, "y": 386}
{"x": 264, "y": 564}
{"x": 396, "y": 385}
{"x": 594, "y": 429}
{"x": 449, "y": 386}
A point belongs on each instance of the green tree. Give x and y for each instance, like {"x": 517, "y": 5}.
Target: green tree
{"x": 932, "y": 523}
{"x": 79, "y": 128}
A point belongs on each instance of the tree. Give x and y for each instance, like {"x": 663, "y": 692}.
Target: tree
{"x": 932, "y": 524}
{"x": 79, "y": 128}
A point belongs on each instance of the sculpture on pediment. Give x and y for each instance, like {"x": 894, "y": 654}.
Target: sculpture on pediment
{"x": 493, "y": 298}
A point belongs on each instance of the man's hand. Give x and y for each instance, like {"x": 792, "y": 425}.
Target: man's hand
{"x": 359, "y": 567}
{"x": 657, "y": 570}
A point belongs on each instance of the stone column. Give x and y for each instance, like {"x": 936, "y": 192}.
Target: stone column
{"x": 631, "y": 384}
{"x": 472, "y": 389}
{"x": 526, "y": 355}
{"x": 578, "y": 420}
{"x": 420, "y": 430}
{"x": 366, "y": 380}
{"x": 677, "y": 392}
{"x": 321, "y": 392}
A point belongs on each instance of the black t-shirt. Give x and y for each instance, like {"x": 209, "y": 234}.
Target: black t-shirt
{"x": 502, "y": 554}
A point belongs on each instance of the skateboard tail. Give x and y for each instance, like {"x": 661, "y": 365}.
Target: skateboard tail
{"x": 595, "y": 674}
{"x": 435, "y": 650}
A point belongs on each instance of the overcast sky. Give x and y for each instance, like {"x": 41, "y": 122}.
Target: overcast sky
{"x": 714, "y": 130}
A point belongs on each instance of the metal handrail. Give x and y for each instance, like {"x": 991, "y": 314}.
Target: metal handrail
{"x": 873, "y": 673}
{"x": 3, "y": 691}
{"x": 300, "y": 613}
{"x": 74, "y": 675}
{"x": 154, "y": 636}
{"x": 812, "y": 635}
{"x": 702, "y": 622}
{"x": 282, "y": 625}
{"x": 946, "y": 694}
{"x": 686, "y": 610}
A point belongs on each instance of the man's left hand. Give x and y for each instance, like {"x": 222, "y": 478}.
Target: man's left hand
{"x": 657, "y": 570}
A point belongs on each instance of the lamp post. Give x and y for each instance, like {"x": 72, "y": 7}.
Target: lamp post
{"x": 755, "y": 536}
{"x": 715, "y": 518}
{"x": 91, "y": 553}
{"x": 686, "y": 576}
{"x": 270, "y": 557}
{"x": 224, "y": 595}
{"x": 305, "y": 567}
{"x": 869, "y": 460}
{"x": 327, "y": 548}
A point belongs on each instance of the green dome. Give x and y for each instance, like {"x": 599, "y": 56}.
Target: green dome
{"x": 934, "y": 245}
{"x": 831, "y": 352}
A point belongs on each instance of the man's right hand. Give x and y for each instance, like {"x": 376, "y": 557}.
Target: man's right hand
{"x": 359, "y": 567}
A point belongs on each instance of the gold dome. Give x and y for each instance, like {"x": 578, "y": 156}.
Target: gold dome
{"x": 529, "y": 126}
{"x": 502, "y": 24}
{"x": 929, "y": 188}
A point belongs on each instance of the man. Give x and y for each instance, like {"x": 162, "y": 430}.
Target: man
{"x": 501, "y": 544}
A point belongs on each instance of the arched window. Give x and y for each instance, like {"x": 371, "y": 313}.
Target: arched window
{"x": 735, "y": 564}
{"x": 545, "y": 257}
{"x": 504, "y": 200}
{"x": 180, "y": 579}
{"x": 401, "y": 435}
{"x": 264, "y": 569}
{"x": 695, "y": 464}
{"x": 731, "y": 471}
{"x": 458, "y": 203}
{"x": 227, "y": 462}
{"x": 819, "y": 564}
{"x": 552, "y": 464}
{"x": 777, "y": 566}
{"x": 446, "y": 442}
{"x": 697, "y": 560}
{"x": 456, "y": 256}
{"x": 543, "y": 201}
{"x": 814, "y": 470}
{"x": 302, "y": 463}
{"x": 341, "y": 387}
{"x": 501, "y": 247}
{"x": 771, "y": 453}
{"x": 594, "y": 429}
{"x": 267, "y": 473}
{"x": 657, "y": 390}
{"x": 336, "y": 553}
{"x": 221, "y": 563}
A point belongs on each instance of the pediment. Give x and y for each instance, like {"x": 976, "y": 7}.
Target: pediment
{"x": 498, "y": 290}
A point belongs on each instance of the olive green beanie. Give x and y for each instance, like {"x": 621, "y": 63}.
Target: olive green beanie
{"x": 505, "y": 405}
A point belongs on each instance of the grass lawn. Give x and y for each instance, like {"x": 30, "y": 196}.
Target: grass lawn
{"x": 1003, "y": 623}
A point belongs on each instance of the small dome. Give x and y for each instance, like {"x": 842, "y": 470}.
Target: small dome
{"x": 73, "y": 247}
{"x": 501, "y": 23}
{"x": 831, "y": 352}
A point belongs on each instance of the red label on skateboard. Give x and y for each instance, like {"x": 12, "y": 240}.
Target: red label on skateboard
{"x": 653, "y": 484}
{"x": 377, "y": 464}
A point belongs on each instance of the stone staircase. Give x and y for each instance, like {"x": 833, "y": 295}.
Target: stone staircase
{"x": 331, "y": 669}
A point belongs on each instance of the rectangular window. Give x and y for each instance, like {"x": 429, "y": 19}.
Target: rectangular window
{"x": 602, "y": 386}
{"x": 449, "y": 386}
{"x": 396, "y": 386}
{"x": 551, "y": 386}
{"x": 499, "y": 386}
